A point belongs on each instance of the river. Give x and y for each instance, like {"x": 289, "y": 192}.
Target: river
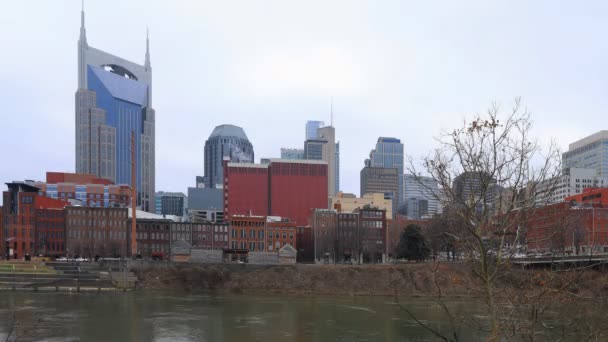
{"x": 179, "y": 316}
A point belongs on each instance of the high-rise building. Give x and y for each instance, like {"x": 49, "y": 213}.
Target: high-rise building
{"x": 381, "y": 180}
{"x": 421, "y": 196}
{"x": 572, "y": 181}
{"x": 292, "y": 153}
{"x": 589, "y": 153}
{"x": 171, "y": 203}
{"x": 312, "y": 128}
{"x": 226, "y": 141}
{"x": 475, "y": 187}
{"x": 389, "y": 154}
{"x": 323, "y": 147}
{"x": 286, "y": 188}
{"x": 337, "y": 188}
{"x": 114, "y": 105}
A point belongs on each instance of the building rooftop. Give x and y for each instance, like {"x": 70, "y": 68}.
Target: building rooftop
{"x": 228, "y": 131}
{"x": 601, "y": 135}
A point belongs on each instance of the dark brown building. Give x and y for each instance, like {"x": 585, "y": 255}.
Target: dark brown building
{"x": 305, "y": 244}
{"x": 201, "y": 235}
{"x": 153, "y": 238}
{"x": 96, "y": 231}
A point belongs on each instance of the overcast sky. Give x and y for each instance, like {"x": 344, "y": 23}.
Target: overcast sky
{"x": 394, "y": 68}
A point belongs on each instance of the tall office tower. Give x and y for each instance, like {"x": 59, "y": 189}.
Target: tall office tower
{"x": 225, "y": 141}
{"x": 389, "y": 154}
{"x": 589, "y": 153}
{"x": 475, "y": 187}
{"x": 420, "y": 195}
{"x": 337, "y": 167}
{"x": 292, "y": 153}
{"x": 312, "y": 128}
{"x": 323, "y": 147}
{"x": 114, "y": 101}
{"x": 380, "y": 180}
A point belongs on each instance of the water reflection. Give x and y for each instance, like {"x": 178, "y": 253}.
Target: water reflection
{"x": 165, "y": 316}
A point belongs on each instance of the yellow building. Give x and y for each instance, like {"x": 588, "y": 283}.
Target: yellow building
{"x": 349, "y": 202}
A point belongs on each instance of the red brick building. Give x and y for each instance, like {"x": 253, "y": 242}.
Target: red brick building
{"x": 591, "y": 195}
{"x": 19, "y": 212}
{"x": 261, "y": 233}
{"x": 280, "y": 233}
{"x": 89, "y": 190}
{"x": 97, "y": 231}
{"x": 248, "y": 232}
{"x": 567, "y": 227}
{"x": 50, "y": 232}
{"x": 286, "y": 188}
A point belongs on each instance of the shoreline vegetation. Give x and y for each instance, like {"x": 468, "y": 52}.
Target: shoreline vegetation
{"x": 425, "y": 279}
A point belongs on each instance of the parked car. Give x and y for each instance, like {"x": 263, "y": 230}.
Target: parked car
{"x": 80, "y": 259}
{"x": 62, "y": 259}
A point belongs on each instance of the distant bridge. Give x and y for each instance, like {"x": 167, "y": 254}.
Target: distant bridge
{"x": 562, "y": 260}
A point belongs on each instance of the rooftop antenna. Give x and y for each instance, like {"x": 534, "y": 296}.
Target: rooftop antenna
{"x": 331, "y": 110}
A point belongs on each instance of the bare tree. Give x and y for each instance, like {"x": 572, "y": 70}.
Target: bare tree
{"x": 492, "y": 174}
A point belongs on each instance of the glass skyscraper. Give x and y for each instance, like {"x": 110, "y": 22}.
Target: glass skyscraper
{"x": 292, "y": 153}
{"x": 114, "y": 103}
{"x": 389, "y": 154}
{"x": 312, "y": 128}
{"x": 588, "y": 153}
{"x": 225, "y": 141}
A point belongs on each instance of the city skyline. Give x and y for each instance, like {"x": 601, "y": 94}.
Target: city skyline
{"x": 414, "y": 109}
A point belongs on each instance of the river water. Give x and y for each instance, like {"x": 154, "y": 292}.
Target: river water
{"x": 179, "y": 316}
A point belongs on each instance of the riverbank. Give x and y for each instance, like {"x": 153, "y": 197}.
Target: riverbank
{"x": 415, "y": 279}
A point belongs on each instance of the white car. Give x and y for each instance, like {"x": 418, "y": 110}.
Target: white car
{"x": 62, "y": 259}
{"x": 82, "y": 259}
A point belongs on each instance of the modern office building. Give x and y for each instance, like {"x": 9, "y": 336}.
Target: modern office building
{"x": 312, "y": 128}
{"x": 114, "y": 106}
{"x": 589, "y": 153}
{"x": 171, "y": 203}
{"x": 381, "y": 180}
{"x": 323, "y": 147}
{"x": 475, "y": 187}
{"x": 292, "y": 153}
{"x": 205, "y": 205}
{"x": 572, "y": 181}
{"x": 389, "y": 154}
{"x": 85, "y": 190}
{"x": 286, "y": 188}
{"x": 226, "y": 141}
{"x": 422, "y": 197}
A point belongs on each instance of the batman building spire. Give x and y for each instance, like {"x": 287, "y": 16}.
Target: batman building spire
{"x": 114, "y": 99}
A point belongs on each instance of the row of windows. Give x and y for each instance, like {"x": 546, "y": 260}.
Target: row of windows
{"x": 96, "y": 234}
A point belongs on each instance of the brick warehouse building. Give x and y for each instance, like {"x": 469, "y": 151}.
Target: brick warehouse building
{"x": 261, "y": 233}
{"x": 567, "y": 227}
{"x": 21, "y": 202}
{"x": 50, "y": 232}
{"x": 286, "y": 188}
{"x": 153, "y": 237}
{"x": 211, "y": 236}
{"x": 96, "y": 231}
{"x": 359, "y": 236}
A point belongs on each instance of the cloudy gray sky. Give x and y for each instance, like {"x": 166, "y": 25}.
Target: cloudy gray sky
{"x": 394, "y": 68}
